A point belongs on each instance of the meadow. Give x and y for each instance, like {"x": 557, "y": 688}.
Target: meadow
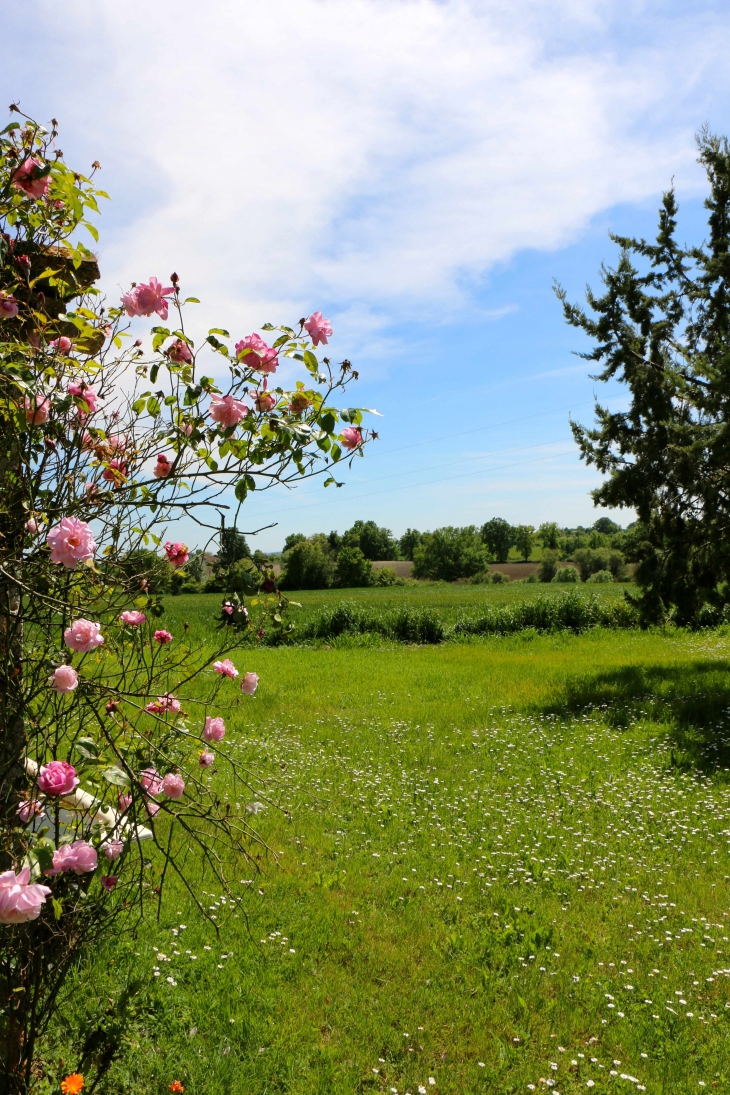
{"x": 497, "y": 866}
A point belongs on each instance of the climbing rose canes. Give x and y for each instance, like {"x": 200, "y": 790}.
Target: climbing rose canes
{"x": 104, "y": 443}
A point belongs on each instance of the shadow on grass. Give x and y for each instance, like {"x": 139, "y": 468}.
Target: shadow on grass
{"x": 689, "y": 703}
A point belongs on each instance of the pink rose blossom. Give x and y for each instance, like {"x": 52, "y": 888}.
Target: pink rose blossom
{"x": 215, "y": 729}
{"x": 173, "y": 785}
{"x": 58, "y": 777}
{"x": 253, "y": 353}
{"x": 151, "y": 781}
{"x": 28, "y": 809}
{"x": 351, "y": 437}
{"x": 162, "y": 468}
{"x": 163, "y": 704}
{"x": 71, "y": 542}
{"x": 117, "y": 442}
{"x": 108, "y": 882}
{"x": 24, "y": 178}
{"x": 37, "y": 410}
{"x": 146, "y": 298}
{"x": 88, "y": 394}
{"x": 8, "y": 306}
{"x": 113, "y": 849}
{"x": 65, "y": 679}
{"x": 226, "y": 668}
{"x": 79, "y": 857}
{"x": 249, "y": 683}
{"x": 32, "y": 526}
{"x": 62, "y": 345}
{"x": 124, "y": 801}
{"x": 20, "y": 900}
{"x": 228, "y": 608}
{"x": 88, "y": 441}
{"x": 162, "y": 637}
{"x": 227, "y": 411}
{"x": 132, "y": 618}
{"x": 319, "y": 329}
{"x": 177, "y": 553}
{"x": 152, "y": 807}
{"x": 180, "y": 352}
{"x": 205, "y": 759}
{"x": 264, "y": 401}
{"x": 83, "y": 636}
{"x": 116, "y": 472}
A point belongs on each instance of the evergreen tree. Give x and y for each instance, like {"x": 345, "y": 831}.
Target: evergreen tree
{"x": 662, "y": 328}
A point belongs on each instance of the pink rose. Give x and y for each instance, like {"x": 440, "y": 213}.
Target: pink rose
{"x": 227, "y": 411}
{"x": 62, "y": 345}
{"x": 205, "y": 759}
{"x": 177, "y": 553}
{"x": 65, "y": 679}
{"x": 226, "y": 668}
{"x": 71, "y": 542}
{"x": 152, "y": 807}
{"x": 8, "y": 306}
{"x": 228, "y": 608}
{"x": 319, "y": 328}
{"x": 264, "y": 401}
{"x": 79, "y": 857}
{"x": 115, "y": 472}
{"x": 113, "y": 849}
{"x": 37, "y": 410}
{"x": 253, "y": 353}
{"x": 162, "y": 468}
{"x": 146, "y": 298}
{"x": 108, "y": 882}
{"x": 32, "y": 526}
{"x": 215, "y": 729}
{"x": 117, "y": 442}
{"x": 132, "y": 618}
{"x": 58, "y": 777}
{"x": 351, "y": 437}
{"x": 83, "y": 636}
{"x": 151, "y": 781}
{"x": 162, "y": 637}
{"x": 124, "y": 801}
{"x": 25, "y": 178}
{"x": 180, "y": 352}
{"x": 173, "y": 785}
{"x": 20, "y": 901}
{"x": 164, "y": 703}
{"x": 86, "y": 393}
{"x": 28, "y": 809}
{"x": 249, "y": 683}
{"x": 88, "y": 441}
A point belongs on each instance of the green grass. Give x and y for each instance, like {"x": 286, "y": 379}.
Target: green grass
{"x": 493, "y": 855}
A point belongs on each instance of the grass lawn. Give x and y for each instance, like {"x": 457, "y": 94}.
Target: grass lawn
{"x": 503, "y": 868}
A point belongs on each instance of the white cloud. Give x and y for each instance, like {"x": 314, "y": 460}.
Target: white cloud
{"x": 380, "y": 154}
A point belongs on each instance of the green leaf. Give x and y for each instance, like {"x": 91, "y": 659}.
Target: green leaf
{"x": 153, "y": 406}
{"x": 160, "y": 333}
{"x": 241, "y": 490}
{"x": 87, "y": 747}
{"x": 191, "y": 300}
{"x": 93, "y": 232}
{"x": 57, "y": 908}
{"x": 154, "y": 371}
{"x": 328, "y": 422}
{"x": 219, "y": 331}
{"x": 139, "y": 405}
{"x": 311, "y": 361}
{"x": 116, "y": 777}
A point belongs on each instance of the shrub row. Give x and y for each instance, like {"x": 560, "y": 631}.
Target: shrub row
{"x": 566, "y": 612}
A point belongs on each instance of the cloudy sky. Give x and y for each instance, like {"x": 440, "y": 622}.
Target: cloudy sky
{"x": 419, "y": 170}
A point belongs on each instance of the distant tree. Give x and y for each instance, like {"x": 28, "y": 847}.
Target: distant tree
{"x": 498, "y": 535}
{"x": 408, "y": 542}
{"x": 353, "y": 568}
{"x": 549, "y": 535}
{"x": 293, "y": 539}
{"x": 152, "y": 572}
{"x": 374, "y": 542}
{"x": 524, "y": 538}
{"x": 308, "y": 567}
{"x": 606, "y": 526}
{"x": 232, "y": 547}
{"x": 450, "y": 553}
{"x": 548, "y": 565}
{"x": 335, "y": 542}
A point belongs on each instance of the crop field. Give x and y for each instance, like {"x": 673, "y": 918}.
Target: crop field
{"x": 495, "y": 867}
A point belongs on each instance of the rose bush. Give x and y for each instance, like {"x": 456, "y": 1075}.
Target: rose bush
{"x": 105, "y": 746}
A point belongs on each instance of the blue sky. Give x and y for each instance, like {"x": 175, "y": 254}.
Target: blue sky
{"x": 420, "y": 171}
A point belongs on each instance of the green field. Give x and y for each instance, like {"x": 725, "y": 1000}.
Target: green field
{"x": 503, "y": 867}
